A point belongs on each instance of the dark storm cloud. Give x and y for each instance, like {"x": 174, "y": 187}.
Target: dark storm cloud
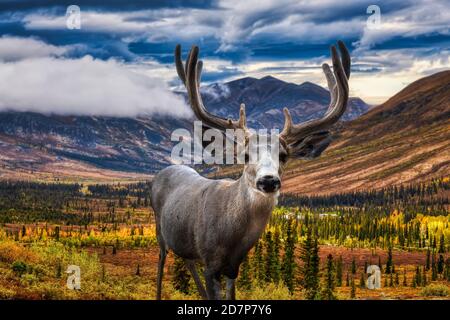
{"x": 110, "y": 5}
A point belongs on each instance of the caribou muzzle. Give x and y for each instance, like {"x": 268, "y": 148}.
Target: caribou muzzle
{"x": 268, "y": 184}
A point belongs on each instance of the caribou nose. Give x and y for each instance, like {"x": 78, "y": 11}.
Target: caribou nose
{"x": 268, "y": 184}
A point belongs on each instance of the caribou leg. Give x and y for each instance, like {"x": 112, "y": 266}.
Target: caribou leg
{"x": 212, "y": 278}
{"x": 190, "y": 264}
{"x": 231, "y": 289}
{"x": 161, "y": 262}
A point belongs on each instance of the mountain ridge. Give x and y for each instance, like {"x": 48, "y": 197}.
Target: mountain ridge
{"x": 404, "y": 140}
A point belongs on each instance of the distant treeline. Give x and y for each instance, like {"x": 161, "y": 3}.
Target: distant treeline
{"x": 67, "y": 203}
{"x": 78, "y": 204}
{"x": 140, "y": 189}
{"x": 32, "y": 201}
{"x": 420, "y": 196}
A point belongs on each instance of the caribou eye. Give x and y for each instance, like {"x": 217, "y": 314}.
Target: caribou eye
{"x": 283, "y": 157}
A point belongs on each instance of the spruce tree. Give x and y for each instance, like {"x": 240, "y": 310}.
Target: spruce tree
{"x": 362, "y": 281}
{"x": 276, "y": 272}
{"x": 59, "y": 270}
{"x": 440, "y": 264}
{"x": 310, "y": 270}
{"x": 339, "y": 267}
{"x": 353, "y": 266}
{"x": 258, "y": 263}
{"x": 418, "y": 277}
{"x": 405, "y": 284}
{"x": 447, "y": 270}
{"x": 441, "y": 244}
{"x": 347, "y": 281}
{"x": 269, "y": 256}
{"x": 328, "y": 292}
{"x": 103, "y": 276}
{"x": 424, "y": 277}
{"x": 389, "y": 262}
{"x": 434, "y": 272}
{"x": 244, "y": 281}
{"x": 138, "y": 270}
{"x": 353, "y": 290}
{"x": 288, "y": 266}
{"x": 181, "y": 276}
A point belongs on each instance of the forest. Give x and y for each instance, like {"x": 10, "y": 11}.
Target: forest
{"x": 314, "y": 247}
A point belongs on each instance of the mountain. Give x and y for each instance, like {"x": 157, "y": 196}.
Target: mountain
{"x": 68, "y": 147}
{"x": 406, "y": 139}
{"x": 265, "y": 99}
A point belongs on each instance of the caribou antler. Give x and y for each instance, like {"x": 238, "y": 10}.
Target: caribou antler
{"x": 190, "y": 76}
{"x": 338, "y": 86}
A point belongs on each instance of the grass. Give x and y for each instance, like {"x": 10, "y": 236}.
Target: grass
{"x": 435, "y": 290}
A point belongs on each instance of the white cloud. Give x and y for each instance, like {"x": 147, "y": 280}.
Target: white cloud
{"x": 152, "y": 25}
{"x": 16, "y": 48}
{"x": 420, "y": 18}
{"x": 85, "y": 86}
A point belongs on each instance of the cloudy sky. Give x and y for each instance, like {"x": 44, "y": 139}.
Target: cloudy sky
{"x": 120, "y": 62}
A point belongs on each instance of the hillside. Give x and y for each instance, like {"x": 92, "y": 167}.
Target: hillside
{"x": 406, "y": 139}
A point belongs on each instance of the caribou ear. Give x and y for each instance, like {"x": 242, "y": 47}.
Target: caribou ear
{"x": 311, "y": 146}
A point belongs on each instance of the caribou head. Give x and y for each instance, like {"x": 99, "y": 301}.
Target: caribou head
{"x": 266, "y": 157}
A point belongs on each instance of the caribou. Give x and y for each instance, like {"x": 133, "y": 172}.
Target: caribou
{"x": 217, "y": 222}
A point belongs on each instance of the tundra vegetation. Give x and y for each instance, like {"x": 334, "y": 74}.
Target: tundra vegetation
{"x": 314, "y": 247}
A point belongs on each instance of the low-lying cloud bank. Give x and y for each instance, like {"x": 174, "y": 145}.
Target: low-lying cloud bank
{"x": 46, "y": 82}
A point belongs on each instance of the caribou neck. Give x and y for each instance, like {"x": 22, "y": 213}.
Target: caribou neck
{"x": 252, "y": 208}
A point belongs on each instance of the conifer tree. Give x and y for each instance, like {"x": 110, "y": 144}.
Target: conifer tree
{"x": 181, "y": 276}
{"x": 440, "y": 264}
{"x": 244, "y": 280}
{"x": 103, "y": 277}
{"x": 258, "y": 263}
{"x": 405, "y": 284}
{"x": 59, "y": 270}
{"x": 362, "y": 281}
{"x": 339, "y": 267}
{"x": 427, "y": 266}
{"x": 441, "y": 244}
{"x": 138, "y": 270}
{"x": 276, "y": 272}
{"x": 447, "y": 270}
{"x": 389, "y": 262}
{"x": 310, "y": 270}
{"x": 424, "y": 277}
{"x": 347, "y": 280}
{"x": 328, "y": 292}
{"x": 353, "y": 266}
{"x": 434, "y": 272}
{"x": 353, "y": 290}
{"x": 288, "y": 266}
{"x": 380, "y": 265}
{"x": 418, "y": 277}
